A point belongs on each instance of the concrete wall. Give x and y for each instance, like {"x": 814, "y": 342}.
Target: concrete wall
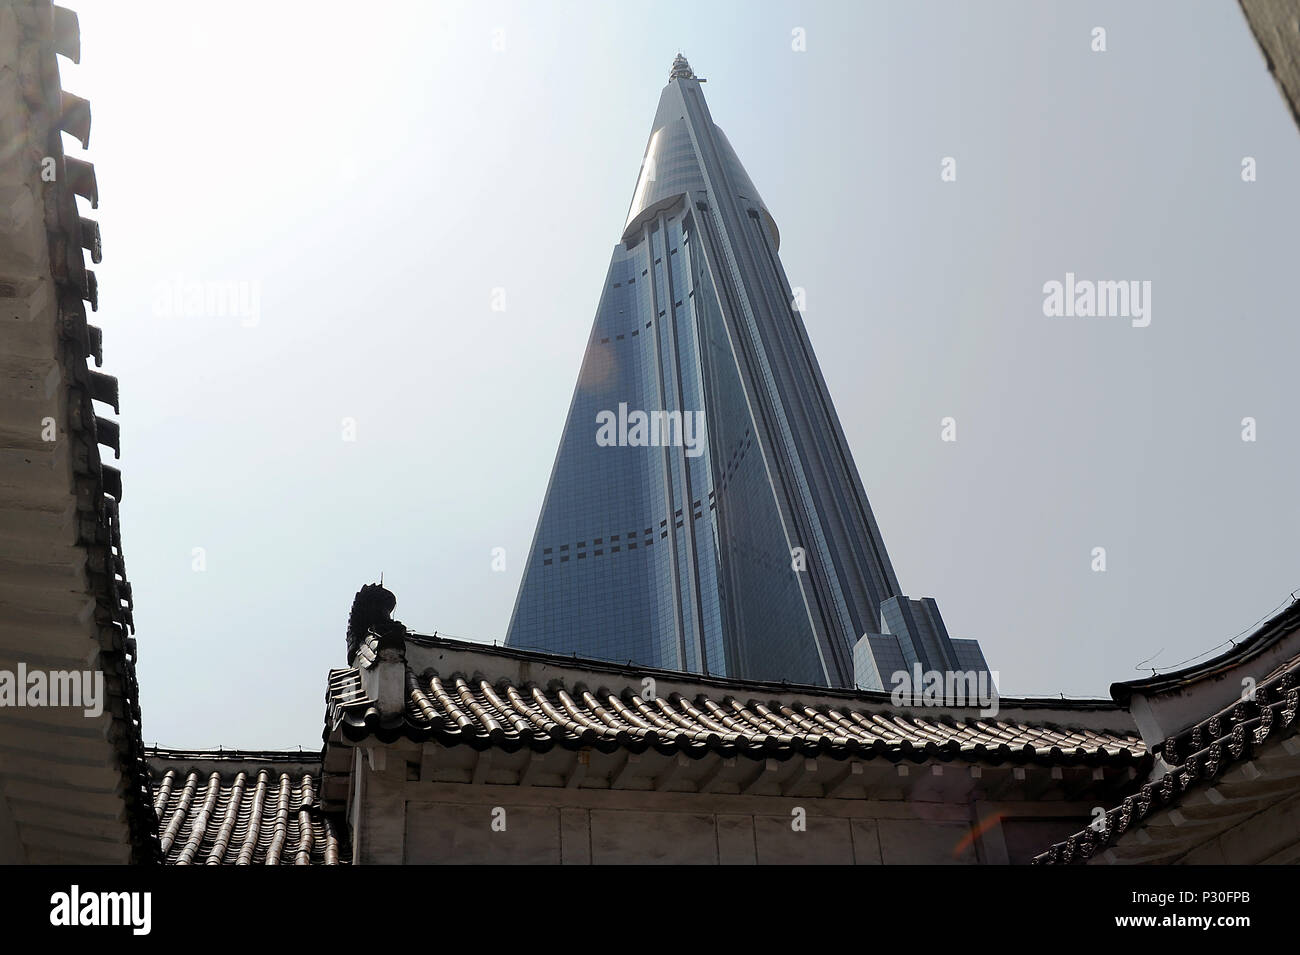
{"x": 401, "y": 820}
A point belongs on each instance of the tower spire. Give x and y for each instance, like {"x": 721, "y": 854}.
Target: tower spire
{"x": 681, "y": 69}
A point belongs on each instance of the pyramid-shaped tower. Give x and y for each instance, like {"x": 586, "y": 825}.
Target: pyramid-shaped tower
{"x": 704, "y": 512}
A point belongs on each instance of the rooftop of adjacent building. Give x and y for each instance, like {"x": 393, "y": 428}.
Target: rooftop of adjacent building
{"x": 273, "y": 807}
{"x": 72, "y": 788}
{"x": 1223, "y": 734}
{"x": 242, "y": 807}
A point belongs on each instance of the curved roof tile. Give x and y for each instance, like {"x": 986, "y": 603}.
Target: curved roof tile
{"x": 237, "y": 809}
{"x": 462, "y": 709}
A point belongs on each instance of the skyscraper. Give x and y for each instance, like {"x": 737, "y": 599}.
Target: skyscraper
{"x": 704, "y": 512}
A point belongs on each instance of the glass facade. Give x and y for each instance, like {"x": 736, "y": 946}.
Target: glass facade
{"x": 704, "y": 512}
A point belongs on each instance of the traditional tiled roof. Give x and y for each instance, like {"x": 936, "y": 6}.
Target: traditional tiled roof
{"x": 67, "y": 603}
{"x": 1200, "y": 754}
{"x": 756, "y": 720}
{"x": 1265, "y": 649}
{"x": 242, "y": 808}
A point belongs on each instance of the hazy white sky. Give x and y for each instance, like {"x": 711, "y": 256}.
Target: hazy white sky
{"x": 367, "y": 176}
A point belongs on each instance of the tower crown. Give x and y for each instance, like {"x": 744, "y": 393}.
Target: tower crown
{"x": 681, "y": 69}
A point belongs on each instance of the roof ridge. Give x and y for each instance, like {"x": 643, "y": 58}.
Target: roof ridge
{"x": 881, "y": 697}
{"x": 242, "y": 755}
